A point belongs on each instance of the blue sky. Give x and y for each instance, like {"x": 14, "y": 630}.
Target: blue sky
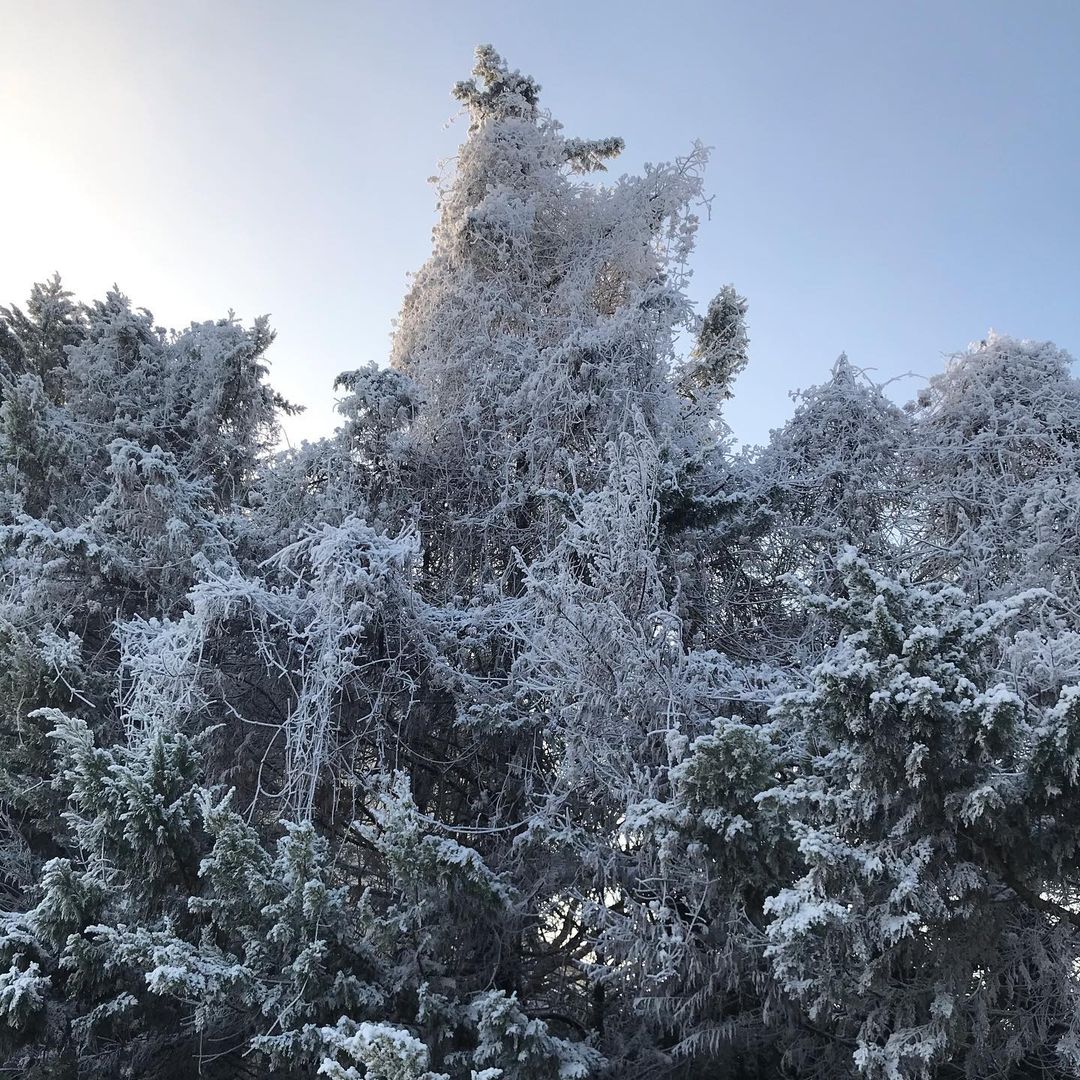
{"x": 890, "y": 179}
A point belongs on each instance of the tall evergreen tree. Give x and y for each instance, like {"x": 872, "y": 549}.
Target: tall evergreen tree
{"x": 932, "y": 931}
{"x": 998, "y": 439}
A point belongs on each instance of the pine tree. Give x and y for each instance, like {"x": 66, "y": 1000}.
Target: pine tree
{"x": 927, "y": 932}
{"x": 836, "y": 474}
{"x": 998, "y": 437}
{"x": 541, "y": 325}
{"x": 722, "y": 346}
{"x": 125, "y": 450}
{"x": 36, "y": 342}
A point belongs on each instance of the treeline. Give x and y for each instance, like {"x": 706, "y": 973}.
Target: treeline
{"x": 525, "y": 728}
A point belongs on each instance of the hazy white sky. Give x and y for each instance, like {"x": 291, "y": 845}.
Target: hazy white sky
{"x": 890, "y": 178}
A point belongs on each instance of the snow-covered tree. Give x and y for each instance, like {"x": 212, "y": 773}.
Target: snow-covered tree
{"x": 998, "y": 455}
{"x": 834, "y": 475}
{"x": 933, "y": 926}
{"x": 35, "y": 342}
{"x": 542, "y": 324}
{"x": 722, "y": 346}
{"x": 125, "y": 452}
{"x": 997, "y": 461}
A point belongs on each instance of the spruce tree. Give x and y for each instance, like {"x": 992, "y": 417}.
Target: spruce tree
{"x": 932, "y": 930}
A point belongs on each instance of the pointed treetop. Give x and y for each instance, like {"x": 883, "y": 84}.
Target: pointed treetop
{"x": 722, "y": 346}
{"x": 496, "y": 91}
{"x": 843, "y": 371}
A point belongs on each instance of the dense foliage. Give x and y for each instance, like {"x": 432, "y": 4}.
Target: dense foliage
{"x": 526, "y": 728}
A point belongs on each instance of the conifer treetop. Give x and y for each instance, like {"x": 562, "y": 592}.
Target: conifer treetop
{"x": 498, "y": 93}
